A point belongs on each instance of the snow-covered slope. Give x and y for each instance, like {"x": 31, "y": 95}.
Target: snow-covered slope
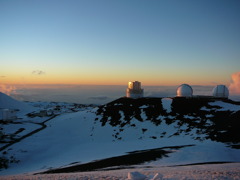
{"x": 201, "y": 119}
{"x": 6, "y": 102}
{"x": 147, "y": 131}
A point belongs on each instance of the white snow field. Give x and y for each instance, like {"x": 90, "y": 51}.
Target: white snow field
{"x": 6, "y": 102}
{"x": 199, "y": 172}
{"x": 74, "y": 138}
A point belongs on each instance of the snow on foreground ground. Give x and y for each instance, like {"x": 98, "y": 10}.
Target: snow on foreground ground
{"x": 98, "y": 134}
{"x": 201, "y": 172}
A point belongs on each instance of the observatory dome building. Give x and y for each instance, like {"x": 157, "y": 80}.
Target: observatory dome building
{"x": 184, "y": 90}
{"x": 220, "y": 91}
{"x": 134, "y": 90}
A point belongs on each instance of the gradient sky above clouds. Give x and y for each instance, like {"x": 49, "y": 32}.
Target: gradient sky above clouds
{"x": 158, "y": 42}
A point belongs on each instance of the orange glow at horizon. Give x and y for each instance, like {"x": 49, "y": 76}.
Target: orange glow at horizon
{"x": 110, "y": 78}
{"x": 101, "y": 81}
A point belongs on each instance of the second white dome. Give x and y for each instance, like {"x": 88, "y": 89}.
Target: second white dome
{"x": 184, "y": 90}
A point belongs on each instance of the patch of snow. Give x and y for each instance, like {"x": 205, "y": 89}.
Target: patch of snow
{"x": 170, "y": 117}
{"x": 118, "y": 104}
{"x": 122, "y": 115}
{"x": 143, "y": 114}
{"x": 204, "y": 108}
{"x": 225, "y": 106}
{"x": 189, "y": 117}
{"x": 160, "y": 117}
{"x": 166, "y": 103}
{"x": 209, "y": 115}
{"x": 143, "y": 107}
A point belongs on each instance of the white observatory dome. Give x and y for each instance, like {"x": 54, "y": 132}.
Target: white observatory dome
{"x": 184, "y": 91}
{"x": 220, "y": 91}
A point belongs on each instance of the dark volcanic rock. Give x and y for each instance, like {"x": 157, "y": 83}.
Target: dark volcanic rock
{"x": 195, "y": 117}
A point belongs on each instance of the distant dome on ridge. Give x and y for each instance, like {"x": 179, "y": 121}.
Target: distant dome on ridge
{"x": 220, "y": 91}
{"x": 184, "y": 90}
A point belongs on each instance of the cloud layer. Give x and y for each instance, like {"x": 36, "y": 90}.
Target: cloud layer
{"x": 235, "y": 84}
{"x": 98, "y": 97}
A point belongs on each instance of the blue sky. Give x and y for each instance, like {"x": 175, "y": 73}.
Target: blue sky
{"x": 165, "y": 42}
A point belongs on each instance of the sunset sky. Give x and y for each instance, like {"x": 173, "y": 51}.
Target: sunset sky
{"x": 111, "y": 42}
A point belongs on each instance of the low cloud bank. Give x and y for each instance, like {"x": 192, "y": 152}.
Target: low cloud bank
{"x": 7, "y": 89}
{"x": 235, "y": 83}
{"x": 98, "y": 97}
